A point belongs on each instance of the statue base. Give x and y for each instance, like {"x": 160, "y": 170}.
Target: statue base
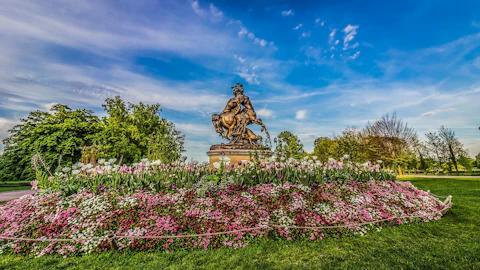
{"x": 234, "y": 154}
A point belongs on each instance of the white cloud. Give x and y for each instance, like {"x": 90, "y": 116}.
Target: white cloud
{"x": 298, "y": 26}
{"x": 265, "y": 113}
{"x": 319, "y": 22}
{"x": 5, "y": 126}
{"x": 355, "y": 55}
{"x": 306, "y": 34}
{"x": 259, "y": 41}
{"x": 301, "y": 114}
{"x": 350, "y": 32}
{"x": 331, "y": 36}
{"x": 432, "y": 113}
{"x": 240, "y": 59}
{"x": 288, "y": 13}
{"x": 196, "y": 8}
{"x": 217, "y": 15}
{"x": 48, "y": 106}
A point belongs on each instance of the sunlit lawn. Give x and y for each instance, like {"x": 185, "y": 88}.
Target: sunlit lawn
{"x": 450, "y": 243}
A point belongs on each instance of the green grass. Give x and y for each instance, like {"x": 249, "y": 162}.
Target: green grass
{"x": 450, "y": 243}
{"x": 4, "y": 189}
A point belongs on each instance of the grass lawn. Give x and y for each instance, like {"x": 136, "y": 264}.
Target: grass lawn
{"x": 450, "y": 243}
{"x": 4, "y": 189}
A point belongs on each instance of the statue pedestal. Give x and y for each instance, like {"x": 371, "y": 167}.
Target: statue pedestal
{"x": 235, "y": 155}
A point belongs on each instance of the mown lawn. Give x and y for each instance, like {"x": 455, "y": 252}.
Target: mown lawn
{"x": 450, "y": 243}
{"x": 5, "y": 189}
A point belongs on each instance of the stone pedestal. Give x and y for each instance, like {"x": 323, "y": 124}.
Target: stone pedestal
{"x": 235, "y": 155}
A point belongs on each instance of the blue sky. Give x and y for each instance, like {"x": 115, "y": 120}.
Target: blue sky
{"x": 313, "y": 68}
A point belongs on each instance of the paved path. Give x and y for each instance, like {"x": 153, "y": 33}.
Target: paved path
{"x": 12, "y": 195}
{"x": 438, "y": 176}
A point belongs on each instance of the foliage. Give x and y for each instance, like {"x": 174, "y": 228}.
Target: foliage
{"x": 325, "y": 148}
{"x": 135, "y": 131}
{"x": 224, "y": 208}
{"x": 129, "y": 132}
{"x": 288, "y": 146}
{"x": 58, "y": 135}
{"x": 466, "y": 162}
{"x": 445, "y": 148}
{"x": 392, "y": 138}
{"x": 161, "y": 177}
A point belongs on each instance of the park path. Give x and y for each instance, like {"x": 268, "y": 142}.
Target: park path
{"x": 438, "y": 176}
{"x": 12, "y": 195}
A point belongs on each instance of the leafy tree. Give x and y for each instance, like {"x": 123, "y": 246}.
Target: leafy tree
{"x": 288, "y": 145}
{"x": 135, "y": 131}
{"x": 325, "y": 148}
{"x": 466, "y": 162}
{"x": 393, "y": 139}
{"x": 353, "y": 143}
{"x": 454, "y": 146}
{"x": 436, "y": 148}
{"x": 58, "y": 135}
{"x": 477, "y": 159}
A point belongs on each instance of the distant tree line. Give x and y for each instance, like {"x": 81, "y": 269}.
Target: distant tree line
{"x": 390, "y": 140}
{"x": 63, "y": 136}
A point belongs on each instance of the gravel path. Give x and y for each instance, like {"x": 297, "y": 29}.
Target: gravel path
{"x": 12, "y": 195}
{"x": 438, "y": 176}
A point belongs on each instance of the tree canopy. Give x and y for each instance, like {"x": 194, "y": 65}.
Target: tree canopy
{"x": 288, "y": 146}
{"x": 129, "y": 132}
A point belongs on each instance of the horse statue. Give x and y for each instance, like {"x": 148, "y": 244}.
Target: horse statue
{"x": 232, "y": 122}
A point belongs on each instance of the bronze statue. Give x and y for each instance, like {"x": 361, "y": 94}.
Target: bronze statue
{"x": 232, "y": 122}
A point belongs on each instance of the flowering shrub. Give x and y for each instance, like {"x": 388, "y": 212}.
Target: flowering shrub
{"x": 222, "y": 208}
{"x": 161, "y": 177}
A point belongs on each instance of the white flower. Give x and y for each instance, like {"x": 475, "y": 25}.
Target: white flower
{"x": 75, "y": 171}
{"x": 135, "y": 164}
{"x": 66, "y": 169}
{"x": 331, "y": 160}
{"x": 107, "y": 163}
{"x": 379, "y": 161}
{"x": 216, "y": 165}
{"x": 112, "y": 160}
{"x": 101, "y": 161}
{"x": 314, "y": 157}
{"x": 144, "y": 160}
{"x": 346, "y": 156}
{"x": 89, "y": 166}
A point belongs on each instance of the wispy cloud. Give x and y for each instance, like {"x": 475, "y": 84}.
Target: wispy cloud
{"x": 287, "y": 13}
{"x": 306, "y": 34}
{"x": 431, "y": 113}
{"x": 318, "y": 21}
{"x": 298, "y": 26}
{"x": 350, "y": 31}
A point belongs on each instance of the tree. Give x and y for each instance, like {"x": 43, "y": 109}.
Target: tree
{"x": 466, "y": 162}
{"x": 58, "y": 135}
{"x": 436, "y": 148}
{"x": 392, "y": 138}
{"x": 351, "y": 142}
{"x": 288, "y": 145}
{"x": 477, "y": 160}
{"x": 325, "y": 148}
{"x": 445, "y": 147}
{"x": 136, "y": 131}
{"x": 453, "y": 144}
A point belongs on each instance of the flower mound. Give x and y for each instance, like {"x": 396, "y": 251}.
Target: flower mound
{"x": 267, "y": 210}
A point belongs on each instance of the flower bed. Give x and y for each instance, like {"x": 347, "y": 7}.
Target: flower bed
{"x": 218, "y": 208}
{"x": 162, "y": 177}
